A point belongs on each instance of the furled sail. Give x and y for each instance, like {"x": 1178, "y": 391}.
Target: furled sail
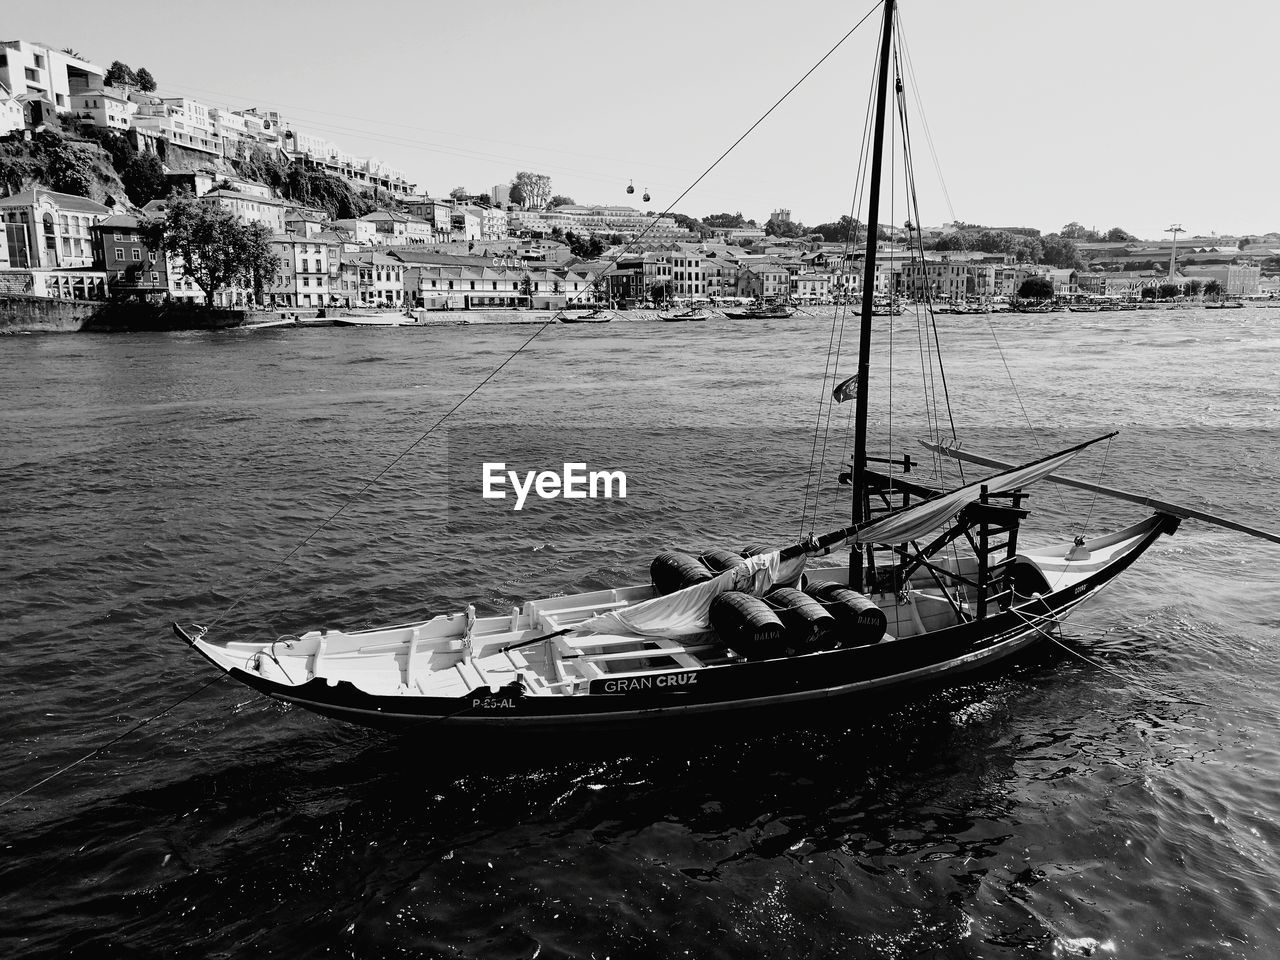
{"x": 916, "y": 521}
{"x": 687, "y": 612}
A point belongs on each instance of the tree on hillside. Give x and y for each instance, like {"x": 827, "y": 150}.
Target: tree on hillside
{"x": 146, "y": 82}
{"x": 216, "y": 248}
{"x": 730, "y": 220}
{"x": 696, "y": 226}
{"x": 1074, "y": 231}
{"x": 517, "y": 195}
{"x": 1116, "y": 235}
{"x": 1061, "y": 251}
{"x": 560, "y": 201}
{"x": 1036, "y": 288}
{"x": 1244, "y": 242}
{"x": 535, "y": 188}
{"x": 844, "y": 230}
{"x": 784, "y": 228}
{"x": 119, "y": 75}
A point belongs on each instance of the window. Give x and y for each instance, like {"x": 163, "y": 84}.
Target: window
{"x": 118, "y": 235}
{"x": 32, "y": 75}
{"x": 119, "y": 252}
{"x": 306, "y": 281}
{"x": 39, "y": 60}
{"x": 155, "y": 277}
{"x": 151, "y": 255}
{"x": 137, "y": 255}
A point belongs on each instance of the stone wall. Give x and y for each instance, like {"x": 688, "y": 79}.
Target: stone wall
{"x": 25, "y": 314}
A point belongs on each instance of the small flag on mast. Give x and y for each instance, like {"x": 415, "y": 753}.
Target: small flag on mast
{"x": 846, "y": 390}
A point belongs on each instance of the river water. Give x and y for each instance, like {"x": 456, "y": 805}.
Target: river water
{"x": 1056, "y": 809}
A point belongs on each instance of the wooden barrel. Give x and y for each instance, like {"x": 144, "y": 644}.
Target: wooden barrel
{"x": 747, "y": 626}
{"x": 860, "y": 622}
{"x": 675, "y": 571}
{"x": 807, "y": 622}
{"x": 719, "y": 561}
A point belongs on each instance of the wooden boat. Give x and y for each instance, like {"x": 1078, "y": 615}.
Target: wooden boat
{"x": 692, "y": 314}
{"x": 776, "y": 311}
{"x": 593, "y": 316}
{"x": 387, "y": 318}
{"x": 937, "y": 583}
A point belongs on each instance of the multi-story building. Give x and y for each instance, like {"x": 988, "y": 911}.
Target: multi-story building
{"x": 48, "y": 229}
{"x": 493, "y": 223}
{"x": 1235, "y": 279}
{"x": 400, "y": 229}
{"x": 811, "y": 287}
{"x": 944, "y": 279}
{"x": 764, "y": 280}
{"x": 309, "y": 270}
{"x": 179, "y": 120}
{"x": 109, "y": 108}
{"x": 11, "y": 116}
{"x": 32, "y": 68}
{"x": 377, "y": 279}
{"x": 251, "y": 208}
{"x": 133, "y": 267}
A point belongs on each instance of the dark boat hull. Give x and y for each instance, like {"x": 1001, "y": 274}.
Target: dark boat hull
{"x": 820, "y": 682}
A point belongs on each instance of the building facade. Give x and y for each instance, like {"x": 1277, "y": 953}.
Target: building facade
{"x": 133, "y": 267}
{"x": 48, "y": 229}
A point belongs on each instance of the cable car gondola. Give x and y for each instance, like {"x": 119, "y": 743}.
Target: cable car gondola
{"x": 631, "y": 188}
{"x": 646, "y": 195}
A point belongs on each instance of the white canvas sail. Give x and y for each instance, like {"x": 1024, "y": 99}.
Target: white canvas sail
{"x": 687, "y": 612}
{"x": 914, "y": 522}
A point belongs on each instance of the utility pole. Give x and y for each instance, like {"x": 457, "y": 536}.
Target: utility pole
{"x": 1173, "y": 257}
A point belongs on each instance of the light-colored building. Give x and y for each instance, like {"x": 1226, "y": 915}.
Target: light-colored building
{"x": 811, "y": 287}
{"x": 109, "y": 108}
{"x": 11, "y": 116}
{"x": 396, "y": 229}
{"x": 251, "y": 208}
{"x": 32, "y": 68}
{"x": 764, "y": 279}
{"x": 1235, "y": 279}
{"x": 48, "y": 229}
{"x": 361, "y": 232}
{"x": 180, "y": 120}
{"x": 941, "y": 279}
{"x": 378, "y": 280}
{"x": 309, "y": 270}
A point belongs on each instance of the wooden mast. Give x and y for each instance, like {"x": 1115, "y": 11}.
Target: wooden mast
{"x": 856, "y": 563}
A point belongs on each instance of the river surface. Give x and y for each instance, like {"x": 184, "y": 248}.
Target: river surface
{"x": 1055, "y": 809}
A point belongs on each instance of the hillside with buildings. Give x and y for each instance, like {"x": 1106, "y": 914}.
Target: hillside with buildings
{"x": 88, "y": 157}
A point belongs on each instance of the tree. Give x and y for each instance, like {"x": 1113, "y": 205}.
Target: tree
{"x": 660, "y": 291}
{"x": 143, "y": 177}
{"x": 1212, "y": 290}
{"x": 1060, "y": 251}
{"x": 1244, "y": 242}
{"x": 1194, "y": 287}
{"x": 843, "y": 230}
{"x": 1074, "y": 231}
{"x": 146, "y": 82}
{"x": 1167, "y": 291}
{"x": 458, "y": 193}
{"x": 731, "y": 220}
{"x": 517, "y": 195}
{"x": 119, "y": 75}
{"x": 595, "y": 247}
{"x": 1116, "y": 235}
{"x": 535, "y": 188}
{"x": 215, "y": 247}
{"x": 1036, "y": 288}
{"x": 560, "y": 201}
{"x": 692, "y": 225}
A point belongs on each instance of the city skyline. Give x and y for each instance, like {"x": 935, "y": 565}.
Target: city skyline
{"x": 1136, "y": 115}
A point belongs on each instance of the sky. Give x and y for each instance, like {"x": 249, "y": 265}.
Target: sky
{"x": 1131, "y": 113}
